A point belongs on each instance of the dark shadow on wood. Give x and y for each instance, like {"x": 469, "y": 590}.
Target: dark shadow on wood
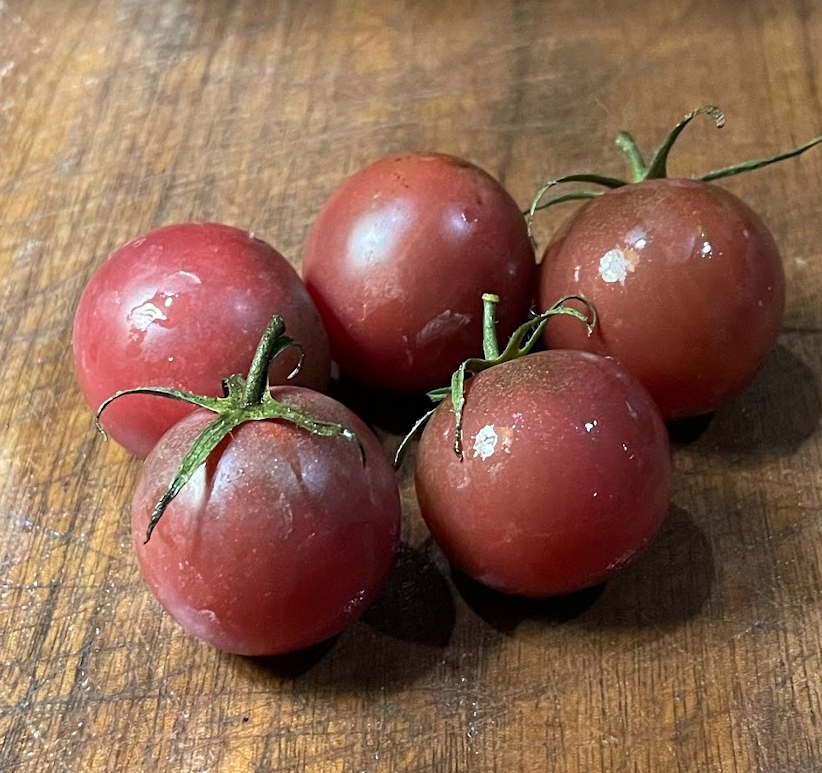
{"x": 666, "y": 585}
{"x": 416, "y": 604}
{"x": 684, "y": 432}
{"x": 398, "y": 639}
{"x": 394, "y": 412}
{"x": 505, "y": 613}
{"x": 777, "y": 412}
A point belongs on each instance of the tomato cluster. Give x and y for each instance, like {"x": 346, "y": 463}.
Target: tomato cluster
{"x": 266, "y": 515}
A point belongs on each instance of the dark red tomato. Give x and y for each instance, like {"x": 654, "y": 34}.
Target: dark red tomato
{"x": 397, "y": 262}
{"x": 566, "y": 474}
{"x": 688, "y": 284}
{"x": 181, "y": 307}
{"x": 280, "y": 540}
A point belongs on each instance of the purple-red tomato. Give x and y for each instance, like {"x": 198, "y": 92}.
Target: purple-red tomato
{"x": 280, "y": 540}
{"x": 566, "y": 474}
{"x": 397, "y": 261}
{"x": 181, "y": 307}
{"x": 688, "y": 284}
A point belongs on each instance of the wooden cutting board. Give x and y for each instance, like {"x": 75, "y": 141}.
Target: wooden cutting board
{"x": 119, "y": 116}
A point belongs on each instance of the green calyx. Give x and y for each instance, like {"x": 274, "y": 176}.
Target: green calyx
{"x": 656, "y": 169}
{"x": 521, "y": 343}
{"x": 245, "y": 399}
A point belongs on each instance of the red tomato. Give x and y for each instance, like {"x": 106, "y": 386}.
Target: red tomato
{"x": 566, "y": 474}
{"x": 181, "y": 307}
{"x": 280, "y": 540}
{"x": 397, "y": 262}
{"x": 688, "y": 284}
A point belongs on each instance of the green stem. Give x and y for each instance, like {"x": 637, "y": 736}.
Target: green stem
{"x": 246, "y": 399}
{"x": 749, "y": 166}
{"x": 573, "y": 196}
{"x": 201, "y": 401}
{"x": 272, "y": 343}
{"x": 595, "y": 179}
{"x": 625, "y": 142}
{"x": 196, "y": 457}
{"x": 521, "y": 342}
{"x": 418, "y": 425}
{"x": 658, "y": 168}
{"x": 490, "y": 347}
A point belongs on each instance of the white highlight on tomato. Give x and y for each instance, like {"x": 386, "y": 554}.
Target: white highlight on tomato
{"x": 485, "y": 442}
{"x": 376, "y": 234}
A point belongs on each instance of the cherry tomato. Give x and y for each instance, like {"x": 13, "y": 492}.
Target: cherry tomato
{"x": 181, "y": 307}
{"x": 566, "y": 474}
{"x": 688, "y": 284}
{"x": 397, "y": 261}
{"x": 280, "y": 540}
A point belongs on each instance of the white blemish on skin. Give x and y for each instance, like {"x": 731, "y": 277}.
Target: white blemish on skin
{"x": 144, "y": 315}
{"x": 636, "y": 238}
{"x": 614, "y": 266}
{"x": 485, "y": 442}
{"x": 189, "y": 275}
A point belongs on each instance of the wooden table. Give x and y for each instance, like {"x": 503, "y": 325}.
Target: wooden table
{"x": 117, "y": 116}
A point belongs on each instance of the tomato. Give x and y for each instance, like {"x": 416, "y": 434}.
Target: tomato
{"x": 566, "y": 474}
{"x": 688, "y": 284}
{"x": 181, "y": 307}
{"x": 281, "y": 540}
{"x": 397, "y": 261}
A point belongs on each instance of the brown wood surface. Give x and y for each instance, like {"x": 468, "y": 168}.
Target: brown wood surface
{"x": 121, "y": 115}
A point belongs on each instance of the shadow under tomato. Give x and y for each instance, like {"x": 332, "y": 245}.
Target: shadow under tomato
{"x": 778, "y": 411}
{"x": 505, "y": 613}
{"x": 294, "y": 664}
{"x": 668, "y": 584}
{"x": 684, "y": 432}
{"x": 394, "y": 412}
{"x": 399, "y": 638}
{"x": 416, "y": 604}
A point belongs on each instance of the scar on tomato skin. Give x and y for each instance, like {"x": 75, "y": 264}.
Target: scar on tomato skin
{"x": 485, "y": 442}
{"x": 506, "y": 435}
{"x": 616, "y": 264}
{"x": 142, "y": 316}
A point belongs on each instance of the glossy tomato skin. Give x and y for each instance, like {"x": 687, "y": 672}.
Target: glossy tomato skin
{"x": 688, "y": 283}
{"x": 566, "y": 474}
{"x": 280, "y": 541}
{"x": 184, "y": 306}
{"x": 397, "y": 262}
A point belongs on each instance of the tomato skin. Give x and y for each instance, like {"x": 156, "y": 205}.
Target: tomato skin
{"x": 566, "y": 474}
{"x": 688, "y": 284}
{"x": 280, "y": 541}
{"x": 398, "y": 259}
{"x": 184, "y": 306}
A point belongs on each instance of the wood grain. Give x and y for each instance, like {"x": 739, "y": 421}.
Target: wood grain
{"x": 118, "y": 116}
